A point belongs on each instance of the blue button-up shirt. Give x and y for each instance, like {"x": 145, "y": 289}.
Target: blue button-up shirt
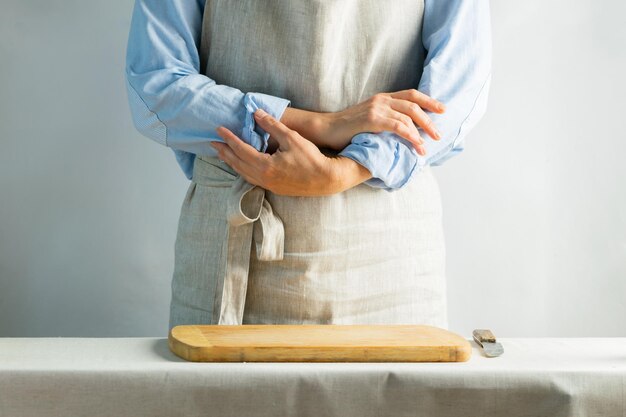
{"x": 176, "y": 106}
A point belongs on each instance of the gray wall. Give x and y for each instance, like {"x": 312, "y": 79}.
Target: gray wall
{"x": 534, "y": 209}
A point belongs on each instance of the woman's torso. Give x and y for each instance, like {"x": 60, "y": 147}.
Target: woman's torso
{"x": 365, "y": 255}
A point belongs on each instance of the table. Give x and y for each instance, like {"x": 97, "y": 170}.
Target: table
{"x": 545, "y": 377}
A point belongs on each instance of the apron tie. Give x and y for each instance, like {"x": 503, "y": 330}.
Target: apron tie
{"x": 250, "y": 217}
{"x": 247, "y": 204}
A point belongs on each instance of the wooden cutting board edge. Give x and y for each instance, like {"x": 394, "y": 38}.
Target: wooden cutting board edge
{"x": 460, "y": 352}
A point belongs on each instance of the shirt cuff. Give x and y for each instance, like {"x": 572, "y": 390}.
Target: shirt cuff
{"x": 275, "y": 106}
{"x": 391, "y": 159}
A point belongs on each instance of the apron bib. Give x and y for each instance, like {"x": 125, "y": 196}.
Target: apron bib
{"x": 245, "y": 255}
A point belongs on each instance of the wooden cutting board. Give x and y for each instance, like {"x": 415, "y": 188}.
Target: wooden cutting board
{"x": 317, "y": 343}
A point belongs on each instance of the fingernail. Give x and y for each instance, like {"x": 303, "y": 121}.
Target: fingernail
{"x": 260, "y": 113}
{"x": 442, "y": 107}
{"x": 437, "y": 134}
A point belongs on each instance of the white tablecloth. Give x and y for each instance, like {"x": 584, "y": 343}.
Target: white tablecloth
{"x": 545, "y": 377}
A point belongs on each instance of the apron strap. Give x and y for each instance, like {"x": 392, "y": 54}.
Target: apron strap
{"x": 250, "y": 217}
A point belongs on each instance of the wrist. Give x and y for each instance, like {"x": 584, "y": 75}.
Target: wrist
{"x": 333, "y": 129}
{"x": 347, "y": 173}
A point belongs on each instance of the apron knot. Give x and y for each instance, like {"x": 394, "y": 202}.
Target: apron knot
{"x": 247, "y": 204}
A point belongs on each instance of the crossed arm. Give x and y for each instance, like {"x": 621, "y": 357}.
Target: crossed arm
{"x": 176, "y": 106}
{"x": 296, "y": 166}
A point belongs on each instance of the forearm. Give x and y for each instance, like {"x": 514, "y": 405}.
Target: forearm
{"x": 308, "y": 124}
{"x": 346, "y": 173}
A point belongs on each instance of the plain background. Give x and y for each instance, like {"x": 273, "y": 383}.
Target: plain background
{"x": 534, "y": 208}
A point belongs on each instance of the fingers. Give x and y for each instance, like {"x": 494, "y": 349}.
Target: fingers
{"x": 399, "y": 124}
{"x": 242, "y": 157}
{"x": 423, "y": 100}
{"x": 418, "y": 115}
{"x": 226, "y": 154}
{"x": 244, "y": 151}
{"x": 275, "y": 128}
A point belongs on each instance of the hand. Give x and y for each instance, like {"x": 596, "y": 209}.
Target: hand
{"x": 395, "y": 112}
{"x": 297, "y": 168}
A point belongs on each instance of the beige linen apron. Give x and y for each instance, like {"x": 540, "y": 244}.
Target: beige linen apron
{"x": 245, "y": 255}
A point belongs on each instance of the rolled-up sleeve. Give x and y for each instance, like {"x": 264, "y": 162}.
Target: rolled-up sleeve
{"x": 170, "y": 101}
{"x": 457, "y": 71}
